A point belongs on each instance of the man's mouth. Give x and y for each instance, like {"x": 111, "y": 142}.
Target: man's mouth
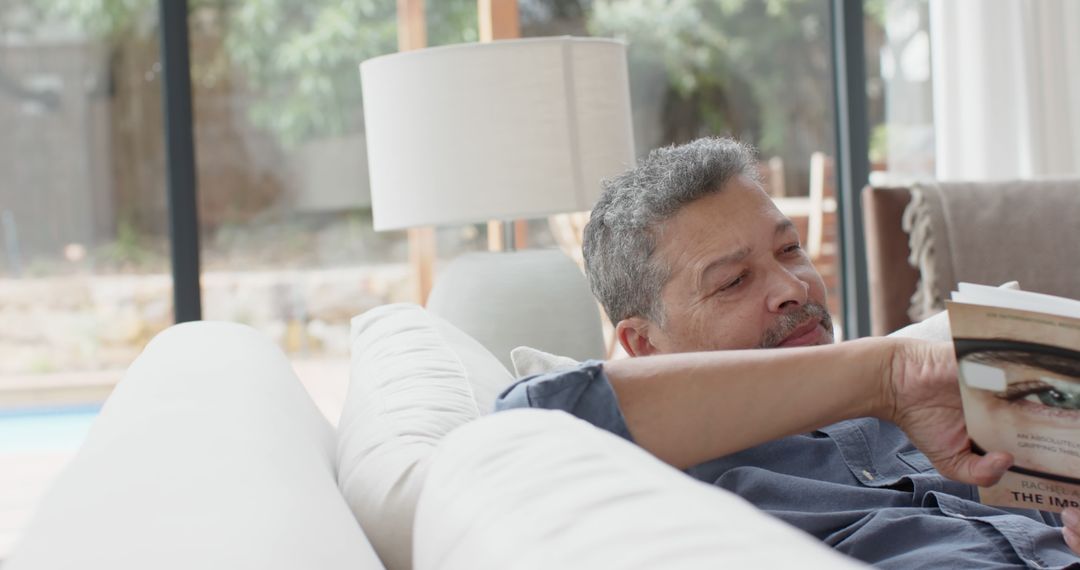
{"x": 805, "y": 326}
{"x": 808, "y": 334}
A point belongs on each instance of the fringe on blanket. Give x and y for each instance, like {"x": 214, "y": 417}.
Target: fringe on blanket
{"x": 916, "y": 221}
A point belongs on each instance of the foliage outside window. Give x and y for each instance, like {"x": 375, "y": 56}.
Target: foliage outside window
{"x": 300, "y": 58}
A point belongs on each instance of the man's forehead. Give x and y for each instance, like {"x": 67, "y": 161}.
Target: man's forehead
{"x": 739, "y": 214}
{"x": 714, "y": 236}
{"x": 738, "y": 254}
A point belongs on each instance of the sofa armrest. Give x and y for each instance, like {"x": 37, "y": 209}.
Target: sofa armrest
{"x": 208, "y": 454}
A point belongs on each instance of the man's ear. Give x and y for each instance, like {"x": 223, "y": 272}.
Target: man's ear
{"x": 635, "y": 336}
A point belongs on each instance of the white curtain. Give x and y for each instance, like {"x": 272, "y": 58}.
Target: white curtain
{"x": 1006, "y": 81}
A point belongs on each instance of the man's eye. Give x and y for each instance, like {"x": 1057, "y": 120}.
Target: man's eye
{"x": 791, "y": 248}
{"x": 732, "y": 284}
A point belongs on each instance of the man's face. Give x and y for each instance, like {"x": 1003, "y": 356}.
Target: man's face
{"x": 739, "y": 277}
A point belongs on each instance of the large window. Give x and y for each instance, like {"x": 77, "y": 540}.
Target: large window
{"x": 84, "y": 273}
{"x": 284, "y": 203}
{"x": 82, "y": 198}
{"x": 899, "y": 91}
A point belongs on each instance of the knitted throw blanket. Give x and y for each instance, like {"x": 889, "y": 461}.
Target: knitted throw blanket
{"x": 990, "y": 233}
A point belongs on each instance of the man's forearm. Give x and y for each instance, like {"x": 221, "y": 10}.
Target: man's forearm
{"x": 689, "y": 408}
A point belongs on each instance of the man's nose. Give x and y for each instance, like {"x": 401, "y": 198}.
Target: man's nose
{"x": 786, "y": 290}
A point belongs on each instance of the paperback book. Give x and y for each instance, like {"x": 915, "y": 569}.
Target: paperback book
{"x": 1018, "y": 356}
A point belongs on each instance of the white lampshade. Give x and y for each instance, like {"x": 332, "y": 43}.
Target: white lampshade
{"x": 502, "y": 130}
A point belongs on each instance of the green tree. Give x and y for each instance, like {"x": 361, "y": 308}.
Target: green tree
{"x": 299, "y": 59}
{"x": 302, "y": 57}
{"x": 756, "y": 69}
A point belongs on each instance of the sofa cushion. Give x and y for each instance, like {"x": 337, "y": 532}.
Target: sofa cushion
{"x": 541, "y": 489}
{"x": 537, "y": 297}
{"x": 413, "y": 379}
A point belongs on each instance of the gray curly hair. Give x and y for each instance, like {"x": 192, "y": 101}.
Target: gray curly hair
{"x": 620, "y": 237}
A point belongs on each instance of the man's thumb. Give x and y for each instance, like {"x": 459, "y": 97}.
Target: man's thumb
{"x": 984, "y": 470}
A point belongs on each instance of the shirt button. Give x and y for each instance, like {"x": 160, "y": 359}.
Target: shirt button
{"x": 867, "y": 475}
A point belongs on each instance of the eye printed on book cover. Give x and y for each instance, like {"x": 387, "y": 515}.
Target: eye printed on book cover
{"x": 1038, "y": 383}
{"x": 1041, "y": 378}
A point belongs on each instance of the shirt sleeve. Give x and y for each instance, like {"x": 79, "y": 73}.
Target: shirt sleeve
{"x": 583, "y": 391}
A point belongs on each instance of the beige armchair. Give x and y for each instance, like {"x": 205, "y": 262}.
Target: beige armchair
{"x": 984, "y": 232}
{"x": 891, "y": 279}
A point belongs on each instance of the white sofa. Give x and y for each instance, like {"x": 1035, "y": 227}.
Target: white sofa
{"x": 210, "y": 454}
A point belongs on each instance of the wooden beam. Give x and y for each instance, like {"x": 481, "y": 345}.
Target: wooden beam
{"x": 521, "y": 234}
{"x": 499, "y": 20}
{"x": 412, "y": 34}
{"x": 411, "y": 26}
{"x": 815, "y": 226}
{"x": 495, "y": 236}
{"x": 422, "y": 259}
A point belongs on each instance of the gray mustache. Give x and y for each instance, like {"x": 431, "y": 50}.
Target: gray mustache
{"x": 791, "y": 321}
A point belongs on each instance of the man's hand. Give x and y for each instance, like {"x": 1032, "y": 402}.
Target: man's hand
{"x": 922, "y": 396}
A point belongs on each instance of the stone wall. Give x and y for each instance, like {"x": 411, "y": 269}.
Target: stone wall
{"x": 82, "y": 323}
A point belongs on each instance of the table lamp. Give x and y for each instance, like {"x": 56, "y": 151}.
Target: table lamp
{"x": 504, "y": 130}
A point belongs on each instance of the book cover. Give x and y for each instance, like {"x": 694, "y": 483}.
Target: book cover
{"x": 1018, "y": 356}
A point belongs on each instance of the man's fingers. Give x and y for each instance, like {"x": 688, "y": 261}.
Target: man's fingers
{"x": 983, "y": 470}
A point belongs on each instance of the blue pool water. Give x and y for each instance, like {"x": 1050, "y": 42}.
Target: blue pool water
{"x": 50, "y": 429}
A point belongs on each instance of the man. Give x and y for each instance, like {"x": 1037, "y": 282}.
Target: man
{"x": 694, "y": 263}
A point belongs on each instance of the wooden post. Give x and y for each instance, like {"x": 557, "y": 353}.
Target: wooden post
{"x": 412, "y": 34}
{"x": 411, "y": 27}
{"x": 499, "y": 20}
{"x": 495, "y": 236}
{"x": 777, "y": 187}
{"x": 815, "y": 229}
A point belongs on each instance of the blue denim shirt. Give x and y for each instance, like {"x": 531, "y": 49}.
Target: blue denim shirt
{"x": 858, "y": 486}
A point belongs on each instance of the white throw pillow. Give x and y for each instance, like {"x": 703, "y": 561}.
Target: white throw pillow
{"x": 530, "y": 361}
{"x": 414, "y": 378}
